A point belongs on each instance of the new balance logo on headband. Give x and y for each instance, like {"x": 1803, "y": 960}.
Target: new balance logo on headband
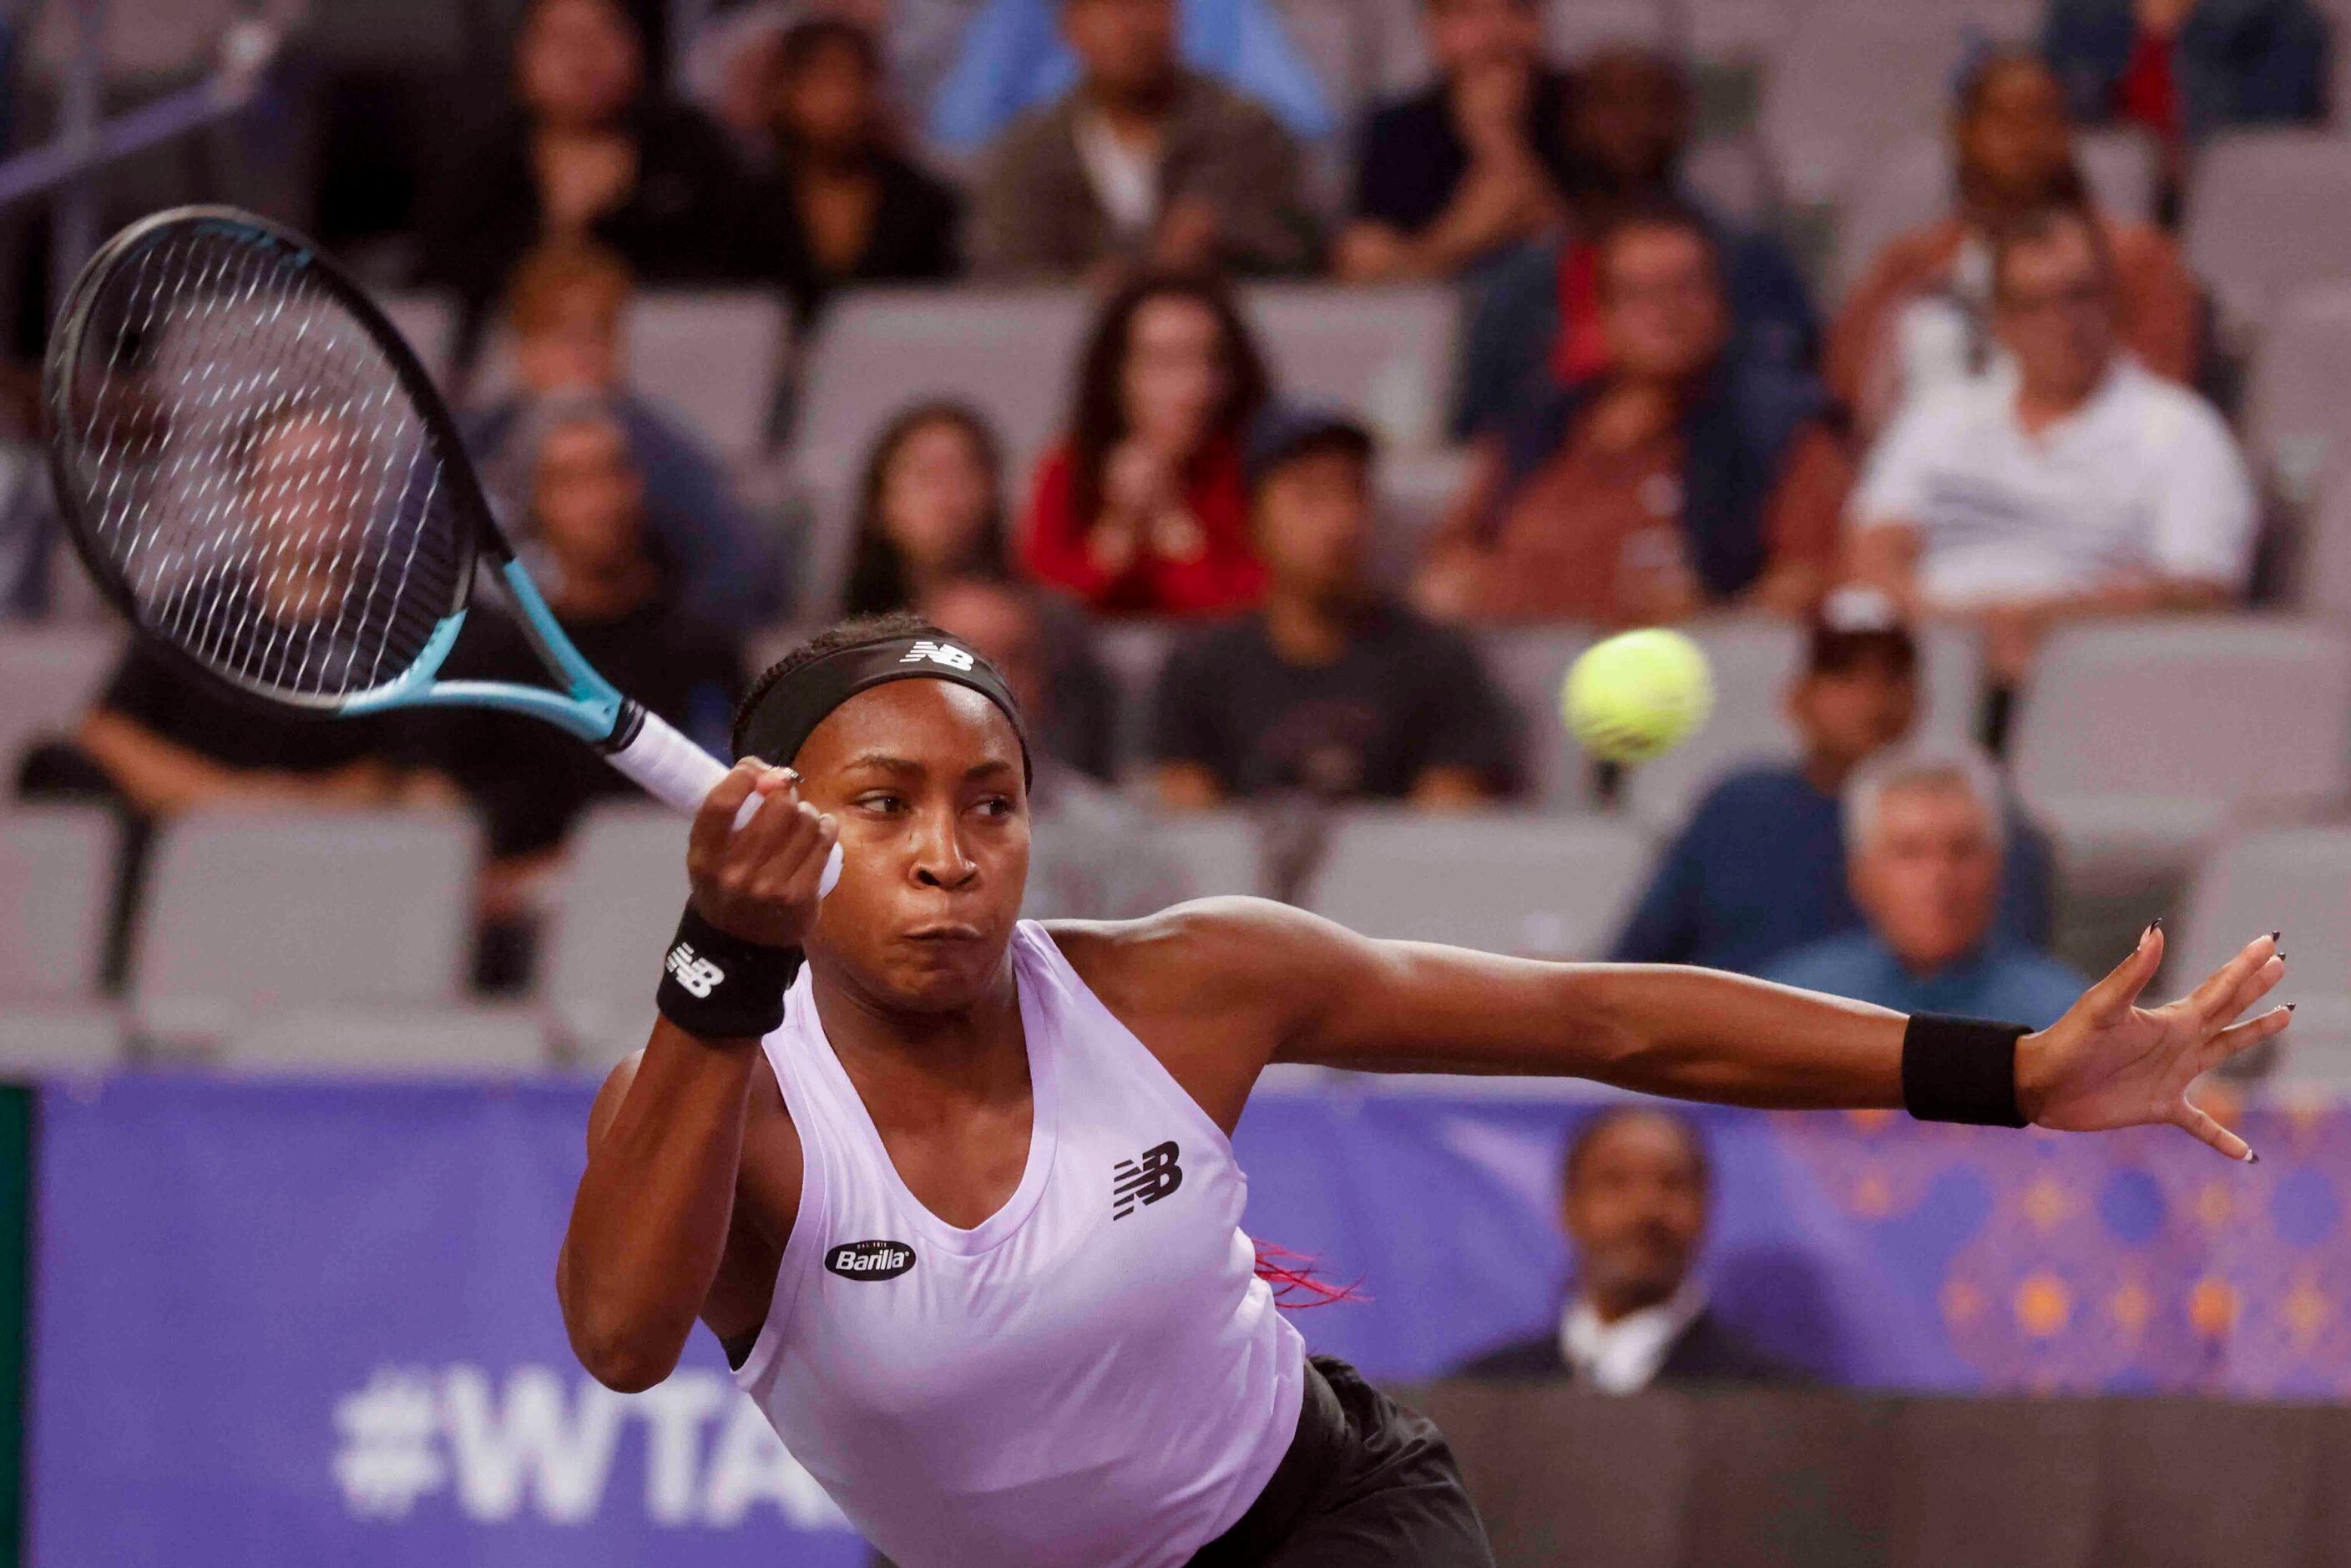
{"x": 697, "y": 974}
{"x": 953, "y": 658}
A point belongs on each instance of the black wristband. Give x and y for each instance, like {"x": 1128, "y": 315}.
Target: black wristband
{"x": 716, "y": 986}
{"x": 1961, "y": 1070}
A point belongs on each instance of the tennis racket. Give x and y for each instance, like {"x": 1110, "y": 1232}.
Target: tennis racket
{"x": 260, "y": 474}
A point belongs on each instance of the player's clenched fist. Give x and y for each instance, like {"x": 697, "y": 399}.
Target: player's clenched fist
{"x": 759, "y": 882}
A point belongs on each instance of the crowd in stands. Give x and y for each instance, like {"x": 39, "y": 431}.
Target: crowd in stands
{"x": 2003, "y": 423}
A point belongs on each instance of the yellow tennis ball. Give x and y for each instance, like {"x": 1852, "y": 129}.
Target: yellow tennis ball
{"x": 1637, "y": 695}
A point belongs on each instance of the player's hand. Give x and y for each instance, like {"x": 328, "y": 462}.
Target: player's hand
{"x": 2110, "y": 1062}
{"x": 760, "y": 883}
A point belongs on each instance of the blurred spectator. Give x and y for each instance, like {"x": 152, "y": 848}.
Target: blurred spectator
{"x": 564, "y": 311}
{"x": 1923, "y": 844}
{"x": 1678, "y": 478}
{"x": 1634, "y": 1190}
{"x": 1536, "y": 317}
{"x": 2070, "y": 483}
{"x": 1014, "y": 58}
{"x": 586, "y": 152}
{"x": 1919, "y": 318}
{"x": 30, "y": 527}
{"x": 1449, "y": 175}
{"x": 1327, "y": 688}
{"x": 586, "y": 542}
{"x": 1092, "y": 857}
{"x": 1142, "y": 508}
{"x": 1759, "y": 867}
{"x": 2184, "y": 68}
{"x": 163, "y": 739}
{"x": 731, "y": 65}
{"x": 843, "y": 206}
{"x": 930, "y": 511}
{"x": 1142, "y": 162}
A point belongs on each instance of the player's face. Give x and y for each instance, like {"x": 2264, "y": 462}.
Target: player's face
{"x": 1928, "y": 878}
{"x": 924, "y": 779}
{"x": 1636, "y": 1208}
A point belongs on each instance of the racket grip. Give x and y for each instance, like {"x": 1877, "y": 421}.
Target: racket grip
{"x": 679, "y": 774}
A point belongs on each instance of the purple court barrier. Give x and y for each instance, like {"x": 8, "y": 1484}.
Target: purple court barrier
{"x": 301, "y": 1322}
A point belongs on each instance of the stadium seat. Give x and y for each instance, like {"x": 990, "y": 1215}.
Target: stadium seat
{"x": 1219, "y": 851}
{"x": 2270, "y": 212}
{"x": 2296, "y": 420}
{"x": 56, "y": 893}
{"x": 2315, "y": 1052}
{"x": 50, "y": 673}
{"x": 717, "y": 358}
{"x": 1753, "y": 661}
{"x": 252, "y": 913}
{"x": 427, "y": 319}
{"x": 1910, "y": 185}
{"x": 1133, "y": 651}
{"x": 2138, "y": 741}
{"x": 1415, "y": 489}
{"x": 1388, "y": 354}
{"x": 1009, "y": 354}
{"x": 1855, "y": 75}
{"x": 1540, "y": 886}
{"x": 393, "y": 1042}
{"x": 1529, "y": 662}
{"x": 2322, "y": 577}
{"x": 1573, "y": 28}
{"x": 2296, "y": 880}
{"x": 618, "y": 900}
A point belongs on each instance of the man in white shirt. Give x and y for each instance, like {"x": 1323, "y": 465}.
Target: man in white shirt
{"x": 1634, "y": 1193}
{"x": 2067, "y": 482}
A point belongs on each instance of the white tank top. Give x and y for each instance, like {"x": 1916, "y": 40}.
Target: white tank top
{"x": 1093, "y": 1377}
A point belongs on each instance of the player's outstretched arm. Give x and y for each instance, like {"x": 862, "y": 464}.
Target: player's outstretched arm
{"x": 650, "y": 1223}
{"x": 1344, "y": 1000}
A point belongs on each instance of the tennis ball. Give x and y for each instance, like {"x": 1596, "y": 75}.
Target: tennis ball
{"x": 1637, "y": 695}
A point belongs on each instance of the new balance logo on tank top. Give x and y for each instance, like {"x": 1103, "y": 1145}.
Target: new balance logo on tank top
{"x": 1093, "y": 1378}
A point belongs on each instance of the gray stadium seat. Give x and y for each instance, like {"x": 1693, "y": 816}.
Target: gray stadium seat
{"x": 49, "y": 674}
{"x": 1529, "y": 662}
{"x": 427, "y": 319}
{"x": 1133, "y": 651}
{"x": 2322, "y": 578}
{"x": 1219, "y": 851}
{"x": 252, "y": 913}
{"x": 1009, "y": 354}
{"x": 393, "y": 1042}
{"x": 717, "y": 358}
{"x": 1505, "y": 881}
{"x": 1573, "y": 28}
{"x": 1753, "y": 661}
{"x": 2139, "y": 740}
{"x": 1385, "y": 353}
{"x": 1910, "y": 185}
{"x": 57, "y": 891}
{"x": 2296, "y": 880}
{"x": 1857, "y": 74}
{"x": 2271, "y": 213}
{"x": 1414, "y": 490}
{"x": 2315, "y": 1051}
{"x": 617, "y": 903}
{"x": 2296, "y": 420}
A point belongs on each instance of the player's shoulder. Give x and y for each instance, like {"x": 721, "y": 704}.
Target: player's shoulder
{"x": 1207, "y": 952}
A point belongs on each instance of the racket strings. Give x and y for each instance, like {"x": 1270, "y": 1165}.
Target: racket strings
{"x": 251, "y": 464}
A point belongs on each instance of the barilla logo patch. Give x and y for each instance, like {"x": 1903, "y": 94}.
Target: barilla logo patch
{"x": 946, "y": 654}
{"x": 870, "y": 1260}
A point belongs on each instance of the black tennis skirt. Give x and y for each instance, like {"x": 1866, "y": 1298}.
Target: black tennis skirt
{"x": 1366, "y": 1484}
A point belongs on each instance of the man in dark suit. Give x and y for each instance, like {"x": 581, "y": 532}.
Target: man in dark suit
{"x": 1634, "y": 1196}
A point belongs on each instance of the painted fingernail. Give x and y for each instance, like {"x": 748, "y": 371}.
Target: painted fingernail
{"x": 2252, "y": 1158}
{"x": 2289, "y": 1007}
{"x": 2277, "y": 936}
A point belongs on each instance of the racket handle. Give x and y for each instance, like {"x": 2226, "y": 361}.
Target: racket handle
{"x": 681, "y": 775}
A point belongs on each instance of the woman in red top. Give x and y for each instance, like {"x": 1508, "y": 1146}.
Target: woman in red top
{"x": 1142, "y": 508}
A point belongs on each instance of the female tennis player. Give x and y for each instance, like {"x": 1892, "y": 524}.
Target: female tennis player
{"x": 960, "y": 1205}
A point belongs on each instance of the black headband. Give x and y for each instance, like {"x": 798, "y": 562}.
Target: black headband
{"x": 780, "y": 722}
